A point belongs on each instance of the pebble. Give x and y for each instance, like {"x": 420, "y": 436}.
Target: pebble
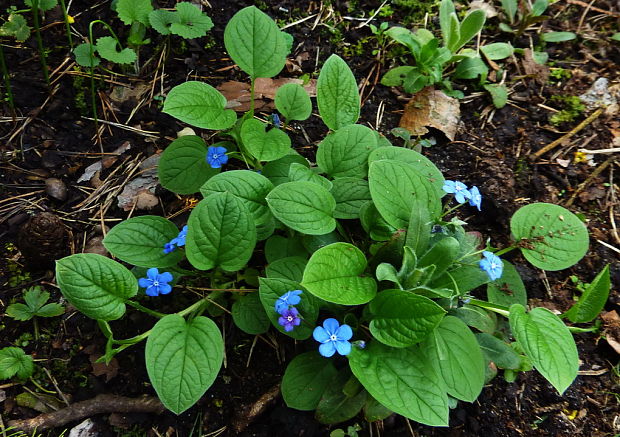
{"x": 56, "y": 189}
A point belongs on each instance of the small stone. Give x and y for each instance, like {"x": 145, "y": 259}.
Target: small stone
{"x": 56, "y": 189}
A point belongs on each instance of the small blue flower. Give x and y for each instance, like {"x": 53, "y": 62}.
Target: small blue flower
{"x": 216, "y": 156}
{"x": 177, "y": 241}
{"x": 287, "y": 299}
{"x": 459, "y": 189}
{"x": 333, "y": 338}
{"x": 476, "y": 197}
{"x": 275, "y": 119}
{"x": 492, "y": 265}
{"x": 156, "y": 283}
{"x": 289, "y": 318}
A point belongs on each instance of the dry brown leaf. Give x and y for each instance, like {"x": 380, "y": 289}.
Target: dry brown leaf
{"x": 611, "y": 322}
{"x": 140, "y": 191}
{"x": 100, "y": 369}
{"x": 238, "y": 93}
{"x": 539, "y": 72}
{"x": 431, "y": 108}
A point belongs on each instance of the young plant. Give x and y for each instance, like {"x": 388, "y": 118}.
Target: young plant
{"x": 15, "y": 362}
{"x": 359, "y": 253}
{"x": 36, "y": 306}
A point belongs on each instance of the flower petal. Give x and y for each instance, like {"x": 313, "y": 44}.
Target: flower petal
{"x": 152, "y": 273}
{"x": 165, "y": 277}
{"x": 327, "y": 349}
{"x": 331, "y": 326}
{"x": 344, "y": 333}
{"x": 320, "y": 334}
{"x": 343, "y": 347}
{"x": 152, "y": 291}
{"x": 145, "y": 282}
{"x": 288, "y": 327}
{"x": 165, "y": 288}
{"x": 281, "y": 306}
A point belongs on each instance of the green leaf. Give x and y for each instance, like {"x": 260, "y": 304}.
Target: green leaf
{"x": 374, "y": 224}
{"x": 497, "y": 351}
{"x": 477, "y": 317}
{"x": 191, "y": 23}
{"x": 305, "y": 380}
{"x": 272, "y": 288}
{"x": 336, "y": 405}
{"x": 43, "y": 5}
{"x": 497, "y": 50}
{"x": 549, "y": 236}
{"x": 540, "y": 57}
{"x": 140, "y": 241}
{"x": 293, "y": 102}
{"x": 402, "y": 319}
{"x": 299, "y": 172}
{"x": 97, "y": 286}
{"x": 446, "y": 9}
{"x": 290, "y": 267}
{"x": 344, "y": 153}
{"x": 183, "y": 167}
{"x": 455, "y": 352}
{"x": 396, "y": 76}
{"x": 312, "y": 243}
{"x": 303, "y": 206}
{"x": 539, "y": 7}
{"x": 403, "y": 380}
{"x": 471, "y": 25}
{"x": 510, "y": 8}
{"x": 394, "y": 186}
{"x": 255, "y": 43}
{"x": 16, "y": 27}
{"x": 374, "y": 411}
{"x": 14, "y": 361}
{"x": 277, "y": 171}
{"x": 499, "y": 94}
{"x": 350, "y": 195}
{"x": 264, "y": 146}
{"x": 183, "y": 359}
{"x": 593, "y": 299}
{"x": 558, "y": 36}
{"x": 508, "y": 289}
{"x": 249, "y": 315}
{"x": 132, "y": 11}
{"x": 35, "y": 299}
{"x": 19, "y": 311}
{"x": 107, "y": 47}
{"x": 221, "y": 232}
{"x": 461, "y": 279}
{"x": 50, "y": 310}
{"x": 278, "y": 247}
{"x": 548, "y": 343}
{"x": 250, "y": 187}
{"x": 200, "y": 105}
{"x": 419, "y": 162}
{"x": 419, "y": 230}
{"x": 471, "y": 68}
{"x": 336, "y": 94}
{"x": 162, "y": 20}
{"x": 83, "y": 55}
{"x": 616, "y": 36}
{"x": 335, "y": 273}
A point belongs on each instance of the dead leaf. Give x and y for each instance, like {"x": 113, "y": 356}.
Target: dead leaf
{"x": 238, "y": 93}
{"x": 431, "y": 108}
{"x": 488, "y": 8}
{"x": 538, "y": 71}
{"x": 294, "y": 66}
{"x": 140, "y": 191}
{"x": 611, "y": 331}
{"x": 104, "y": 163}
{"x": 121, "y": 93}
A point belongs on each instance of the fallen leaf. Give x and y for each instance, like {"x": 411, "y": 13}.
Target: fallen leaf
{"x": 539, "y": 72}
{"x": 140, "y": 191}
{"x": 611, "y": 331}
{"x": 102, "y": 369}
{"x": 121, "y": 93}
{"x": 488, "y": 8}
{"x": 238, "y": 93}
{"x": 104, "y": 163}
{"x": 431, "y": 108}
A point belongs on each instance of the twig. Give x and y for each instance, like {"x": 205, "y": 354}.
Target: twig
{"x": 609, "y": 246}
{"x": 594, "y": 8}
{"x": 246, "y": 415}
{"x": 568, "y": 135}
{"x": 585, "y": 183}
{"x": 100, "y": 404}
{"x": 594, "y": 152}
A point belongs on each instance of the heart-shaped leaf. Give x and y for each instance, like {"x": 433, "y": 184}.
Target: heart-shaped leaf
{"x": 293, "y": 102}
{"x": 264, "y": 146}
{"x": 305, "y": 380}
{"x": 344, "y": 153}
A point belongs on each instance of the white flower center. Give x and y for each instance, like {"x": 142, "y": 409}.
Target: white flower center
{"x": 289, "y": 318}
{"x": 155, "y": 283}
{"x": 333, "y": 337}
{"x": 215, "y": 156}
{"x": 493, "y": 266}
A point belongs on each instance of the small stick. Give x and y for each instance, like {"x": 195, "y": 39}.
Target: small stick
{"x": 100, "y": 404}
{"x": 568, "y": 135}
{"x": 594, "y": 174}
{"x": 248, "y": 414}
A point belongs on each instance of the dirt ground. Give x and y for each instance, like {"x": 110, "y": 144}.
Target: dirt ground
{"x": 47, "y": 148}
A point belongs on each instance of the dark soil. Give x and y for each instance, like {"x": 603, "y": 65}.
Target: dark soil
{"x": 52, "y": 139}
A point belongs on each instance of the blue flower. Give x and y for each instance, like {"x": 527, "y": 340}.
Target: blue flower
{"x": 177, "y": 241}
{"x": 156, "y": 283}
{"x": 287, "y": 299}
{"x": 476, "y": 197}
{"x": 216, "y": 156}
{"x": 289, "y": 318}
{"x": 333, "y": 337}
{"x": 459, "y": 189}
{"x": 492, "y": 265}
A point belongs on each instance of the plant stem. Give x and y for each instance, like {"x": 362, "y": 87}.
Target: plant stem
{"x": 504, "y": 250}
{"x": 499, "y": 309}
{"x": 145, "y": 310}
{"x": 67, "y": 24}
{"x": 451, "y": 210}
{"x": 35, "y": 322}
{"x": 7, "y": 82}
{"x": 37, "y": 31}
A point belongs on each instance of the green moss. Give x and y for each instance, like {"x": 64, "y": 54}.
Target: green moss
{"x": 571, "y": 109}
{"x": 415, "y": 10}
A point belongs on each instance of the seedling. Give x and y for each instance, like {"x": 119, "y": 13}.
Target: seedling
{"x": 36, "y": 306}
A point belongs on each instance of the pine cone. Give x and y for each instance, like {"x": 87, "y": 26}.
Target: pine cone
{"x": 42, "y": 240}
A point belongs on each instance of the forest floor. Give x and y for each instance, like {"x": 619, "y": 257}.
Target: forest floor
{"x": 46, "y": 151}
